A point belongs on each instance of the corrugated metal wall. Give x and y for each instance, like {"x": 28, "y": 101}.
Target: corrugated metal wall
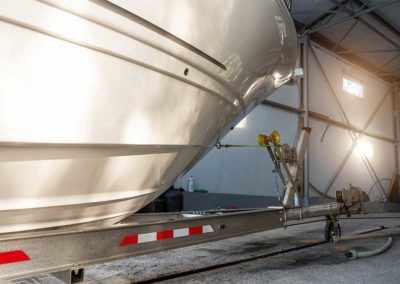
{"x": 327, "y": 152}
{"x": 249, "y": 170}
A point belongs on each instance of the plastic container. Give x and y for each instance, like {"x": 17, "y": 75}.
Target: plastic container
{"x": 190, "y": 187}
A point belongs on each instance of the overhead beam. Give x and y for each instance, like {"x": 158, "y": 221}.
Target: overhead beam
{"x": 349, "y": 54}
{"x": 379, "y": 33}
{"x": 358, "y": 14}
{"x": 353, "y": 58}
{"x": 371, "y": 27}
{"x": 346, "y": 34}
{"x": 390, "y": 61}
{"x": 318, "y": 12}
{"x": 343, "y": 125}
{"x": 379, "y": 19}
{"x": 369, "y": 51}
{"x": 325, "y": 16}
{"x": 327, "y": 119}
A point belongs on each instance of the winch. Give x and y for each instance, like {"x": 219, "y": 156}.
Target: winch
{"x": 289, "y": 158}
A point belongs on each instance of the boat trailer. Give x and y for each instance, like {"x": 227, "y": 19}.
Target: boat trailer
{"x": 65, "y": 251}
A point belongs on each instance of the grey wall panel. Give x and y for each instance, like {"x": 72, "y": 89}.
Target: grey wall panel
{"x": 287, "y": 94}
{"x": 326, "y": 156}
{"x": 357, "y": 109}
{"x": 320, "y": 99}
{"x": 356, "y": 173}
{"x": 383, "y": 123}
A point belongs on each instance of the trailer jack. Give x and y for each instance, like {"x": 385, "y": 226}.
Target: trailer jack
{"x": 332, "y": 228}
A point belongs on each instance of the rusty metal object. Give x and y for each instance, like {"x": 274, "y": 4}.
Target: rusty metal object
{"x": 286, "y": 153}
{"x": 352, "y": 199}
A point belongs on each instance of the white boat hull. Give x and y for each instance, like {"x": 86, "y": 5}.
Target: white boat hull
{"x": 100, "y": 113}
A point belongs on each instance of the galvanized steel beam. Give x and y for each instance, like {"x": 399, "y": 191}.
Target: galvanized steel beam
{"x": 378, "y": 18}
{"x": 325, "y": 16}
{"x": 373, "y": 28}
{"x": 328, "y": 44}
{"x": 396, "y": 124}
{"x": 368, "y": 51}
{"x": 305, "y": 94}
{"x": 330, "y": 121}
{"x": 358, "y": 14}
{"x": 346, "y": 34}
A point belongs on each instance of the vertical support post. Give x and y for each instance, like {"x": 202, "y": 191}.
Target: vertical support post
{"x": 306, "y": 117}
{"x": 393, "y": 194}
{"x": 396, "y": 124}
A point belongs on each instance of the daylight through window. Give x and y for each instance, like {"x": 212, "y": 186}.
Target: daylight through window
{"x": 353, "y": 88}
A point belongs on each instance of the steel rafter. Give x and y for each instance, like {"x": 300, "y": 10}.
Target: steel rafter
{"x": 355, "y": 15}
{"x": 324, "y": 16}
{"x": 395, "y": 100}
{"x": 378, "y": 18}
{"x": 394, "y": 58}
{"x": 346, "y": 34}
{"x": 318, "y": 12}
{"x": 353, "y": 58}
{"x": 324, "y": 118}
{"x": 364, "y": 5}
{"x": 363, "y": 9}
{"x": 385, "y": 37}
{"x": 378, "y": 32}
{"x": 369, "y": 51}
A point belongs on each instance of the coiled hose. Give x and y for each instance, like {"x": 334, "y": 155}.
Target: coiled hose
{"x": 353, "y": 254}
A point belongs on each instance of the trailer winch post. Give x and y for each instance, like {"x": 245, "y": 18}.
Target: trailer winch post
{"x": 291, "y": 167}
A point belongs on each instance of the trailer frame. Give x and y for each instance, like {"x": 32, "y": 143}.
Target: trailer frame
{"x": 65, "y": 251}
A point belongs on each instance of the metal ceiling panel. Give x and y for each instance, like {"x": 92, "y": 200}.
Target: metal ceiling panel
{"x": 392, "y": 36}
{"x": 377, "y": 30}
{"x": 335, "y": 33}
{"x": 390, "y": 14}
{"x": 394, "y": 65}
{"x": 361, "y": 38}
{"x": 307, "y": 11}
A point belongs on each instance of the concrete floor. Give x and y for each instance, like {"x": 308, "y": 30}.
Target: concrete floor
{"x": 319, "y": 264}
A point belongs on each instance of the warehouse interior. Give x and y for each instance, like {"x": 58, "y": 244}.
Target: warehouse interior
{"x": 236, "y": 209}
{"x": 344, "y": 43}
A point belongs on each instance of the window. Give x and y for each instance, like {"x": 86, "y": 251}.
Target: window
{"x": 365, "y": 148}
{"x": 353, "y": 88}
{"x": 242, "y": 123}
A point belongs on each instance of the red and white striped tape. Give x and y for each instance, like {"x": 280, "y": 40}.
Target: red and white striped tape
{"x": 164, "y": 235}
{"x": 13, "y": 256}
